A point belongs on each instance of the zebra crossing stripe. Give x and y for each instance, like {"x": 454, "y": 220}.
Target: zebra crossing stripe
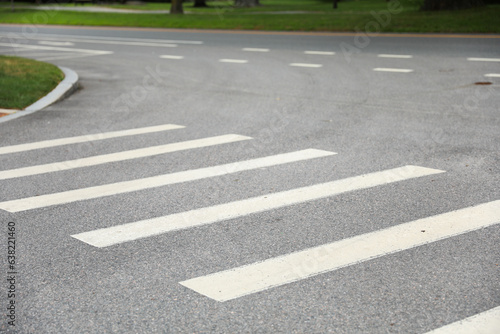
{"x": 487, "y": 322}
{"x": 120, "y": 156}
{"x": 157, "y": 181}
{"x": 146, "y": 228}
{"x": 260, "y": 276}
{"x": 86, "y": 138}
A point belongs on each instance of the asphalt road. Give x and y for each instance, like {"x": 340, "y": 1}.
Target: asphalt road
{"x": 324, "y": 230}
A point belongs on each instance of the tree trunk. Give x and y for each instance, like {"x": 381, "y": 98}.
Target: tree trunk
{"x": 200, "y": 3}
{"x": 176, "y": 7}
{"x": 246, "y": 3}
{"x": 450, "y": 4}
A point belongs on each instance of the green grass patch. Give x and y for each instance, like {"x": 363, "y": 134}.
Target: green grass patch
{"x": 276, "y": 15}
{"x": 25, "y": 81}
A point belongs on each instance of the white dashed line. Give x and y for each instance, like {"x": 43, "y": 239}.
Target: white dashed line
{"x": 396, "y": 70}
{"x": 305, "y": 65}
{"x": 321, "y": 53}
{"x": 492, "y": 75}
{"x": 171, "y": 57}
{"x": 395, "y": 56}
{"x": 53, "y": 43}
{"x": 255, "y": 50}
{"x": 483, "y": 59}
{"x": 235, "y": 61}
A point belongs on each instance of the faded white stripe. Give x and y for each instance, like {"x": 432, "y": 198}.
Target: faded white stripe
{"x": 487, "y": 322}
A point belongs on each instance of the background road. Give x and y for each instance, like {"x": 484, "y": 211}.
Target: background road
{"x": 346, "y": 250}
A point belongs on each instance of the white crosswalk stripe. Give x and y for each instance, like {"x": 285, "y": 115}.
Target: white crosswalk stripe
{"x": 238, "y": 282}
{"x": 146, "y": 228}
{"x": 35, "y": 202}
{"x": 87, "y": 138}
{"x": 120, "y": 156}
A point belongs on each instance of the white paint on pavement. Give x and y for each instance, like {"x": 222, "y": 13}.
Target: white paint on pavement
{"x": 487, "y": 322}
{"x": 55, "y": 48}
{"x": 146, "y": 228}
{"x": 483, "y": 59}
{"x": 492, "y": 75}
{"x": 320, "y": 53}
{"x": 120, "y": 156}
{"x": 55, "y": 43}
{"x": 157, "y": 181}
{"x": 306, "y": 65}
{"x": 256, "y": 50}
{"x": 260, "y": 276}
{"x": 395, "y": 70}
{"x": 235, "y": 61}
{"x": 395, "y": 56}
{"x": 171, "y": 57}
{"x": 86, "y": 138}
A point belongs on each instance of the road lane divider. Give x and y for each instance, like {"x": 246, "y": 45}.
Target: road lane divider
{"x": 487, "y": 322}
{"x": 70, "y": 196}
{"x": 394, "y": 70}
{"x": 306, "y": 65}
{"x": 320, "y": 53}
{"x": 235, "y": 61}
{"x": 245, "y": 280}
{"x": 395, "y": 56}
{"x": 146, "y": 228}
{"x": 120, "y": 156}
{"x": 87, "y": 138}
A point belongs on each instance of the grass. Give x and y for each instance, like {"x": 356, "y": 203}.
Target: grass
{"x": 25, "y": 81}
{"x": 352, "y": 15}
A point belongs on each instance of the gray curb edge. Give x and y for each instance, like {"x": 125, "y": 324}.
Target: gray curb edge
{"x": 65, "y": 88}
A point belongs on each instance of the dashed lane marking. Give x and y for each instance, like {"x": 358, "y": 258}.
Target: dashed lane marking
{"x": 235, "y": 61}
{"x": 171, "y": 57}
{"x": 395, "y": 56}
{"x": 320, "y": 53}
{"x": 306, "y": 65}
{"x": 255, "y": 50}
{"x": 483, "y": 59}
{"x": 394, "y": 70}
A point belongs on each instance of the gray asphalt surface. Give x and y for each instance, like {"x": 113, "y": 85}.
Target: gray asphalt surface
{"x": 434, "y": 116}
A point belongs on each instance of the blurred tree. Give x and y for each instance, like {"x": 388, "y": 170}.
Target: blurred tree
{"x": 246, "y": 3}
{"x": 176, "y": 7}
{"x": 450, "y": 4}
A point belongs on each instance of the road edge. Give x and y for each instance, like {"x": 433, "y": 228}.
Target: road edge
{"x": 64, "y": 89}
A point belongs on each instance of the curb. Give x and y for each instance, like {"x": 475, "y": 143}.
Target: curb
{"x": 65, "y": 88}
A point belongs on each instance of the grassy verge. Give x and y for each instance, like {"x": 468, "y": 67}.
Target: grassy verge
{"x": 316, "y": 15}
{"x": 25, "y": 81}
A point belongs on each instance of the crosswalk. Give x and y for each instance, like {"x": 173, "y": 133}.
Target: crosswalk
{"x": 260, "y": 276}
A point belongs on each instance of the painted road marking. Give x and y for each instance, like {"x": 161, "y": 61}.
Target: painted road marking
{"x": 260, "y": 276}
{"x": 146, "y": 228}
{"x": 492, "y": 75}
{"x": 103, "y": 40}
{"x": 55, "y": 48}
{"x": 157, "y": 181}
{"x": 396, "y": 70}
{"x": 320, "y": 53}
{"x": 120, "y": 156}
{"x": 395, "y": 56}
{"x": 487, "y": 322}
{"x": 171, "y": 57}
{"x": 483, "y": 59}
{"x": 55, "y": 43}
{"x": 236, "y": 61}
{"x": 87, "y": 138}
{"x": 255, "y": 50}
{"x": 306, "y": 65}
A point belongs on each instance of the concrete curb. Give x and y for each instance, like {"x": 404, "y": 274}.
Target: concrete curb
{"x": 63, "y": 90}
